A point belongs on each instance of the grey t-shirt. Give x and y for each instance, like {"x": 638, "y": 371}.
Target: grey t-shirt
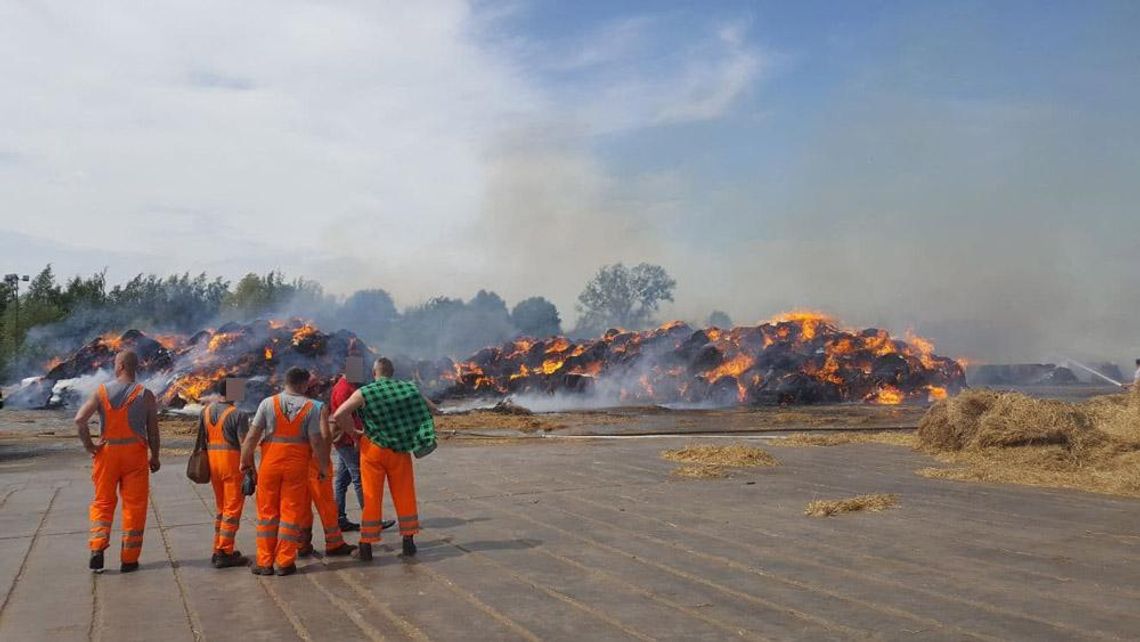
{"x": 291, "y": 404}
{"x": 117, "y": 393}
{"x": 235, "y": 427}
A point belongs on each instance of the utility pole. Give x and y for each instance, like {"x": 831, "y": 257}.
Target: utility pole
{"x": 13, "y": 282}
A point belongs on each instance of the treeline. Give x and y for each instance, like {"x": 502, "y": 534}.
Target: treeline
{"x": 50, "y": 317}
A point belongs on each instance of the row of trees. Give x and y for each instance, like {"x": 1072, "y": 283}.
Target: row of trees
{"x": 51, "y": 317}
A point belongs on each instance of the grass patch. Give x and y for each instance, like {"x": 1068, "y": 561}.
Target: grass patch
{"x": 870, "y": 503}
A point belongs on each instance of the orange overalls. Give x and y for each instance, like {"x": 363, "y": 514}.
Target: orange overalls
{"x": 323, "y": 498}
{"x": 226, "y": 477}
{"x": 376, "y": 464}
{"x": 121, "y": 467}
{"x": 283, "y": 488}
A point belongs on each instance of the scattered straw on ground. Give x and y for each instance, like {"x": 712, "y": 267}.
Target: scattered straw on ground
{"x": 871, "y": 503}
{"x": 801, "y": 439}
{"x": 700, "y": 471}
{"x": 485, "y": 419}
{"x": 711, "y": 462}
{"x": 734, "y": 456}
{"x": 178, "y": 425}
{"x": 1008, "y": 437}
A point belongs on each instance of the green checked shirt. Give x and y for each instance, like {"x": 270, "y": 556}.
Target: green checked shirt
{"x": 396, "y": 416}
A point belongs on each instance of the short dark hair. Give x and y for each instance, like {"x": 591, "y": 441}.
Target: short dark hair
{"x": 296, "y": 377}
{"x": 384, "y": 365}
{"x": 1138, "y": 362}
{"x": 219, "y": 387}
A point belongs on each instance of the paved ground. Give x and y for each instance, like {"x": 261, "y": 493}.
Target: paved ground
{"x": 591, "y": 540}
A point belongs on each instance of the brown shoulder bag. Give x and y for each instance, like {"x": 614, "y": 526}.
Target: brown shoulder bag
{"x": 198, "y": 467}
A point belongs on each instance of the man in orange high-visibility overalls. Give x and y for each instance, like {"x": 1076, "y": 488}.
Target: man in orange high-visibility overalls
{"x": 394, "y": 414}
{"x": 286, "y": 426}
{"x": 225, "y": 427}
{"x": 321, "y": 492}
{"x": 123, "y": 459}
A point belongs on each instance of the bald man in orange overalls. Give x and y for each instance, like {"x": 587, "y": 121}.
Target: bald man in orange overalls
{"x": 123, "y": 459}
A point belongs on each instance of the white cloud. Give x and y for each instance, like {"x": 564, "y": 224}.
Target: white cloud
{"x": 359, "y": 143}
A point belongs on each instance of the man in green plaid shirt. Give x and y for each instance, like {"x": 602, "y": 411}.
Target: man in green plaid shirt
{"x": 397, "y": 423}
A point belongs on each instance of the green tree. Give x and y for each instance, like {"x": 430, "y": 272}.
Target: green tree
{"x": 719, "y": 319}
{"x": 369, "y": 313}
{"x": 624, "y": 297}
{"x": 536, "y": 317}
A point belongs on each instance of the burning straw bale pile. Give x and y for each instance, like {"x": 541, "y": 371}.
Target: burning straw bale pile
{"x": 181, "y": 369}
{"x": 797, "y": 358}
{"x": 1010, "y": 437}
{"x": 794, "y": 358}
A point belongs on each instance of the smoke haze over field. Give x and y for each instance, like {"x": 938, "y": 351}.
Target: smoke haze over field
{"x": 965, "y": 169}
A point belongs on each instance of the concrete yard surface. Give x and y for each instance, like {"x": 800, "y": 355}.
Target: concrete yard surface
{"x": 592, "y": 540}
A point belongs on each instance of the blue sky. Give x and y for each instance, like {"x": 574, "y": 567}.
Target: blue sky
{"x": 965, "y": 168}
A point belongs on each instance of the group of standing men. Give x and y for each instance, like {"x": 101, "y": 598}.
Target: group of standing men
{"x": 373, "y": 430}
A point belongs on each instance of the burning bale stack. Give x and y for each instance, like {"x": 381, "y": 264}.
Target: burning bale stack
{"x": 794, "y": 358}
{"x": 181, "y": 369}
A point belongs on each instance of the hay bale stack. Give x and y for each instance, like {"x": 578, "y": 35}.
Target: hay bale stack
{"x": 979, "y": 419}
{"x": 1010, "y": 437}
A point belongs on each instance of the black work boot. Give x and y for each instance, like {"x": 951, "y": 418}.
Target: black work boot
{"x": 128, "y": 567}
{"x": 96, "y": 562}
{"x": 340, "y": 551}
{"x": 364, "y": 553}
{"x": 286, "y": 570}
{"x": 305, "y": 551}
{"x": 386, "y": 524}
{"x": 409, "y": 546}
{"x": 348, "y": 526}
{"x": 261, "y": 570}
{"x": 230, "y": 560}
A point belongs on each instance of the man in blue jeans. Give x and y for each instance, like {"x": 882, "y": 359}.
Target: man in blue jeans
{"x": 346, "y": 450}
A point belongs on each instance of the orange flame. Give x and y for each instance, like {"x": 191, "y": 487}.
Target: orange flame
{"x": 220, "y": 340}
{"x": 112, "y": 341}
{"x": 558, "y": 346}
{"x": 733, "y": 367}
{"x": 550, "y": 366}
{"x": 888, "y": 395}
{"x": 935, "y": 393}
{"x": 591, "y": 369}
{"x": 169, "y": 341}
{"x": 924, "y": 348}
{"x": 302, "y": 333}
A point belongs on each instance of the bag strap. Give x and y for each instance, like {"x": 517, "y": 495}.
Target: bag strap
{"x": 200, "y": 444}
